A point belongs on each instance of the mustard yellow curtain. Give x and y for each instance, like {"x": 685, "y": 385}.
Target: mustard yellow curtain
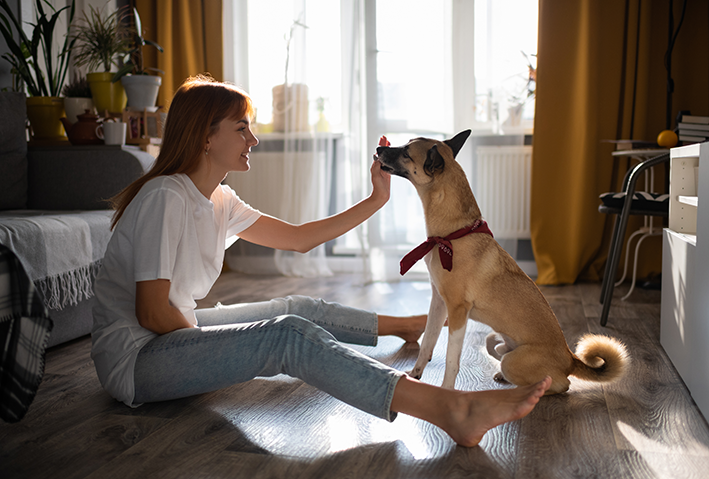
{"x": 190, "y": 32}
{"x": 601, "y": 76}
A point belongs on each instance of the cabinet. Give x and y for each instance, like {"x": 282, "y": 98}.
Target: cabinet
{"x": 684, "y": 326}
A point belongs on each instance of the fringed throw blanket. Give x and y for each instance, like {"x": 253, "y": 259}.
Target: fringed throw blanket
{"x": 24, "y": 331}
{"x": 61, "y": 251}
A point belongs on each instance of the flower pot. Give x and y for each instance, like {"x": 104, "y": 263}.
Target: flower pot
{"x": 75, "y": 106}
{"x": 44, "y": 113}
{"x": 290, "y": 107}
{"x": 142, "y": 90}
{"x": 106, "y": 95}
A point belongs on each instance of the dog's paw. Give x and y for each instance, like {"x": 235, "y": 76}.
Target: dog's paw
{"x": 500, "y": 378}
{"x": 413, "y": 374}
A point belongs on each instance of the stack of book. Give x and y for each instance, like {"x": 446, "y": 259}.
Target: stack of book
{"x": 693, "y": 129}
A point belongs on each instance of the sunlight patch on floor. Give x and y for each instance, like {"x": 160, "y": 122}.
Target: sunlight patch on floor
{"x": 653, "y": 451}
{"x": 421, "y": 285}
{"x": 404, "y": 429}
{"x": 342, "y": 432}
{"x": 383, "y": 288}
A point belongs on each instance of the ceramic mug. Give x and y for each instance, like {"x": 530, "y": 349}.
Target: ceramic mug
{"x": 112, "y": 133}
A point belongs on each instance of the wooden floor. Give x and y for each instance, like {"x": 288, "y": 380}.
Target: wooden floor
{"x": 645, "y": 426}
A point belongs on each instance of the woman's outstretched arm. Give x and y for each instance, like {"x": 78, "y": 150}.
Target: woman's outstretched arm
{"x": 275, "y": 233}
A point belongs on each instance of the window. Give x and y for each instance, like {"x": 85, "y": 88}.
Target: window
{"x": 505, "y": 47}
{"x": 402, "y": 68}
{"x": 313, "y": 55}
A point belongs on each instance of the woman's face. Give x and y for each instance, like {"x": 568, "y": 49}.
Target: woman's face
{"x": 229, "y": 147}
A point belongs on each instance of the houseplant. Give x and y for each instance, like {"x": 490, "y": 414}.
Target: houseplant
{"x": 35, "y": 63}
{"x": 77, "y": 98}
{"x": 141, "y": 87}
{"x": 102, "y": 40}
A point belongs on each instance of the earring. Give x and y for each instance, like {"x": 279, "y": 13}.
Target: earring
{"x": 206, "y": 152}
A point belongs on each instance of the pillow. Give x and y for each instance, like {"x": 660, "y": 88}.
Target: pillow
{"x": 13, "y": 151}
{"x": 642, "y": 200}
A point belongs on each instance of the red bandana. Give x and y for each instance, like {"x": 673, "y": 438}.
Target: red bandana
{"x": 444, "y": 245}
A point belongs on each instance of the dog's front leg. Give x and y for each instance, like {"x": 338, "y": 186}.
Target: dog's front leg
{"x": 457, "y": 322}
{"x": 434, "y": 323}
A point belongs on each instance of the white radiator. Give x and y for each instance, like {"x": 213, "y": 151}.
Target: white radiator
{"x": 503, "y": 189}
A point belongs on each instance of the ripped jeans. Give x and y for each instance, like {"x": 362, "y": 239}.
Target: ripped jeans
{"x": 298, "y": 336}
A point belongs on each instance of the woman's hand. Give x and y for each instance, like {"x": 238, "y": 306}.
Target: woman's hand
{"x": 381, "y": 183}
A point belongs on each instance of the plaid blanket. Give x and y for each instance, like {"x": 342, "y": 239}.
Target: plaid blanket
{"x": 60, "y": 250}
{"x": 24, "y": 331}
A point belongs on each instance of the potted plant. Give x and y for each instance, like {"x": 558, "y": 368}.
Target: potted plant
{"x": 77, "y": 98}
{"x": 102, "y": 40}
{"x": 141, "y": 87}
{"x": 35, "y": 63}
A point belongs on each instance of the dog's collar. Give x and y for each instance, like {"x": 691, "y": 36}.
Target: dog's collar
{"x": 444, "y": 245}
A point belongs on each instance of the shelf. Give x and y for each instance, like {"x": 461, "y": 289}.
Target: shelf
{"x": 684, "y": 237}
{"x": 688, "y": 200}
{"x": 684, "y": 201}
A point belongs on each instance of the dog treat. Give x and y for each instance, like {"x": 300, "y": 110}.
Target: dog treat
{"x": 383, "y": 141}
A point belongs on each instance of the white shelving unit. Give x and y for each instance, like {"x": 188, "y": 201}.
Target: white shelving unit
{"x": 684, "y": 331}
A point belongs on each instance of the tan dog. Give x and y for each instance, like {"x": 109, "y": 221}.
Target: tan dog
{"x": 486, "y": 284}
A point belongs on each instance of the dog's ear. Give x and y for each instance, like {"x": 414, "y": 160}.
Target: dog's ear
{"x": 434, "y": 161}
{"x": 457, "y": 142}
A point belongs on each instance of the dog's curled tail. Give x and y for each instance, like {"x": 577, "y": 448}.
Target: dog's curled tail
{"x": 600, "y": 358}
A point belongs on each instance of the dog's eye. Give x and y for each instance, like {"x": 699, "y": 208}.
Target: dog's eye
{"x": 405, "y": 154}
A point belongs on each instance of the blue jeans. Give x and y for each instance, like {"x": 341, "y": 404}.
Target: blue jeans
{"x": 239, "y": 342}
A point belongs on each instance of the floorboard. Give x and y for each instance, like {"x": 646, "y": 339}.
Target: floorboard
{"x": 644, "y": 426}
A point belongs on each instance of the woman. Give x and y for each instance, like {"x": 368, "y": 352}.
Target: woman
{"x": 171, "y": 229}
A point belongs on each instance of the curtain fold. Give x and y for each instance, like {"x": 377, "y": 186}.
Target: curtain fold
{"x": 601, "y": 76}
{"x": 190, "y": 32}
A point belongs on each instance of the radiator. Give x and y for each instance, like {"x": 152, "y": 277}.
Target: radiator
{"x": 503, "y": 191}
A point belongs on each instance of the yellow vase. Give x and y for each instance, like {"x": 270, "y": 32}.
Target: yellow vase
{"x": 106, "y": 95}
{"x": 44, "y": 113}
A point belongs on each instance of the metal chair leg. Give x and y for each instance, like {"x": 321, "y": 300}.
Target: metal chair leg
{"x": 619, "y": 232}
{"x": 607, "y": 276}
{"x": 614, "y": 258}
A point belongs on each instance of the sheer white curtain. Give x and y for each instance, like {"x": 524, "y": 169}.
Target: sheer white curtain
{"x": 307, "y": 157}
{"x": 400, "y": 68}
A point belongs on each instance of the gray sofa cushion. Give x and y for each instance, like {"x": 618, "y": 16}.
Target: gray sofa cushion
{"x": 13, "y": 151}
{"x": 81, "y": 177}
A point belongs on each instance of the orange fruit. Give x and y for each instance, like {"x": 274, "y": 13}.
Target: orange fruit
{"x": 667, "y": 138}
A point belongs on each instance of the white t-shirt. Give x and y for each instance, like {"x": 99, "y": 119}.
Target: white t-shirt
{"x": 169, "y": 231}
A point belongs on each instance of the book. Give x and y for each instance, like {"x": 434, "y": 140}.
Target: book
{"x": 693, "y": 126}
{"x": 691, "y": 138}
{"x": 703, "y": 120}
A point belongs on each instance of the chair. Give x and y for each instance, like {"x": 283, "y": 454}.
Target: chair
{"x": 630, "y": 207}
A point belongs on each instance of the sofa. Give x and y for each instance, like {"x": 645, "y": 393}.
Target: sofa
{"x": 54, "y": 214}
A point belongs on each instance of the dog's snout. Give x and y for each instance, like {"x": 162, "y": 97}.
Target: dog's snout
{"x": 380, "y": 149}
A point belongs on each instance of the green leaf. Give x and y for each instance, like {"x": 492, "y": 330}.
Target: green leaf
{"x": 126, "y": 69}
{"x": 153, "y": 44}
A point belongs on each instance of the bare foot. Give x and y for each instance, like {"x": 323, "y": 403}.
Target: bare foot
{"x": 408, "y": 328}
{"x": 479, "y": 411}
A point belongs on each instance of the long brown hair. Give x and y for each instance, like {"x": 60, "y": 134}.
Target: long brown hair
{"x": 197, "y": 109}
